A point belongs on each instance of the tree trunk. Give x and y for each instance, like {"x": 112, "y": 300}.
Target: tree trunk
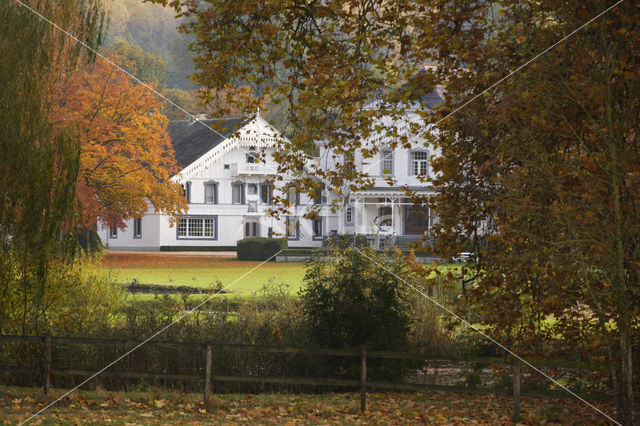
{"x": 620, "y": 284}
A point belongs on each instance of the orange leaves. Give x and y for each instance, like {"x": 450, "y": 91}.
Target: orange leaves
{"x": 324, "y": 408}
{"x": 126, "y": 156}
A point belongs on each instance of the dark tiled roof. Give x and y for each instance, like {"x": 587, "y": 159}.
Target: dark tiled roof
{"x": 191, "y": 139}
{"x": 432, "y": 99}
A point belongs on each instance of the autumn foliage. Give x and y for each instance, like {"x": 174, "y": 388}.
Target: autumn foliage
{"x": 126, "y": 158}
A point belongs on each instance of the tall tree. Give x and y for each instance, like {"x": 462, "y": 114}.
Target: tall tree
{"x": 540, "y": 173}
{"x": 126, "y": 158}
{"x": 38, "y": 161}
{"x": 146, "y": 66}
{"x": 543, "y": 170}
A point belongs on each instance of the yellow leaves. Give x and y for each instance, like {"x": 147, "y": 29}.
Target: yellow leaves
{"x": 160, "y": 403}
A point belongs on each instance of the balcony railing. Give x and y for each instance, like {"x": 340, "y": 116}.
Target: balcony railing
{"x": 253, "y": 169}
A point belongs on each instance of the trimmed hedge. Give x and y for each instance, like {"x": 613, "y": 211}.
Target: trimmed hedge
{"x": 260, "y": 248}
{"x": 197, "y": 248}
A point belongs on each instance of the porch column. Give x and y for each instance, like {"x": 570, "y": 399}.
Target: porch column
{"x": 393, "y": 217}
{"x": 362, "y": 209}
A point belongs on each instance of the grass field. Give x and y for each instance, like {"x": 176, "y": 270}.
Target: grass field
{"x": 161, "y": 407}
{"x": 201, "y": 270}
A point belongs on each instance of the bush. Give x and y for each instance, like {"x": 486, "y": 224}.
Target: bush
{"x": 260, "y": 248}
{"x": 343, "y": 241}
{"x": 352, "y": 302}
{"x": 79, "y": 298}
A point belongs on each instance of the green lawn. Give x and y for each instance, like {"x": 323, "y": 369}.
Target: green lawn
{"x": 203, "y": 271}
{"x": 206, "y": 270}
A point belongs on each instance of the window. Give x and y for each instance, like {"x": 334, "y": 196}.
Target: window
{"x": 265, "y": 193}
{"x": 318, "y": 197}
{"x": 137, "y": 228}
{"x": 186, "y": 190}
{"x": 237, "y": 193}
{"x": 211, "y": 193}
{"x": 113, "y": 232}
{"x": 252, "y": 229}
{"x": 197, "y": 227}
{"x": 348, "y": 214}
{"x": 386, "y": 162}
{"x": 292, "y": 195}
{"x": 293, "y": 231}
{"x": 252, "y": 157}
{"x": 419, "y": 163}
{"x": 317, "y": 228}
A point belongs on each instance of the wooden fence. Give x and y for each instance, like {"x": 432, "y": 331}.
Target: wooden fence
{"x": 46, "y": 370}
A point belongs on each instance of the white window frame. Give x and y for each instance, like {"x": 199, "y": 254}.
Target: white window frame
{"x": 348, "y": 214}
{"x": 292, "y": 191}
{"x": 386, "y": 162}
{"x": 292, "y": 232}
{"x": 419, "y": 166}
{"x": 113, "y": 232}
{"x": 187, "y": 228}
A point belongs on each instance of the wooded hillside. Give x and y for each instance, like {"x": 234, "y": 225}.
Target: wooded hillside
{"x": 155, "y": 30}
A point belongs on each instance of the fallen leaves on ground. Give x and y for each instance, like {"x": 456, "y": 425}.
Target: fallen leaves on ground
{"x": 163, "y": 407}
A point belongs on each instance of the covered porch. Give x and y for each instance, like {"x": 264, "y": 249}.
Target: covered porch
{"x": 386, "y": 215}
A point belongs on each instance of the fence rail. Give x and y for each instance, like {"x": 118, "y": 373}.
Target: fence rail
{"x": 47, "y": 370}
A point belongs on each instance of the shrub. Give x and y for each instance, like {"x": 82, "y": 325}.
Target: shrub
{"x": 352, "y": 302}
{"x": 343, "y": 241}
{"x": 260, "y": 248}
{"x": 79, "y": 298}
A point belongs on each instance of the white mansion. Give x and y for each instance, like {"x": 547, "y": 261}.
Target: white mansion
{"x": 229, "y": 198}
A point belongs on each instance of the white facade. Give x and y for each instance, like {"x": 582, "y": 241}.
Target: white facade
{"x": 228, "y": 200}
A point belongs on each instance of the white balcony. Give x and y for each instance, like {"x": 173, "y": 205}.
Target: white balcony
{"x": 252, "y": 169}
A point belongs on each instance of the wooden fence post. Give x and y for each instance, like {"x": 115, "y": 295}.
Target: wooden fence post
{"x": 363, "y": 378}
{"x": 207, "y": 374}
{"x": 516, "y": 390}
{"x": 46, "y": 370}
